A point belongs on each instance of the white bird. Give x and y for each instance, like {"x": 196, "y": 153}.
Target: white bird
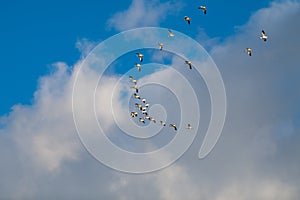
{"x": 142, "y": 120}
{"x": 152, "y": 120}
{"x": 171, "y": 34}
{"x": 135, "y": 87}
{"x": 189, "y": 63}
{"x": 248, "y": 51}
{"x": 163, "y": 123}
{"x": 138, "y": 65}
{"x": 144, "y": 100}
{"x": 264, "y": 37}
{"x": 144, "y": 112}
{"x": 134, "y": 114}
{"x": 132, "y": 79}
{"x": 144, "y": 108}
{"x": 174, "y": 126}
{"x": 138, "y": 105}
{"x": 147, "y": 117}
{"x": 160, "y": 46}
{"x": 188, "y": 19}
{"x": 203, "y": 8}
{"x": 189, "y": 126}
{"x": 140, "y": 56}
{"x": 136, "y": 96}
{"x": 147, "y": 105}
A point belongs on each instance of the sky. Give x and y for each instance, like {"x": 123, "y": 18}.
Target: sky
{"x": 44, "y": 44}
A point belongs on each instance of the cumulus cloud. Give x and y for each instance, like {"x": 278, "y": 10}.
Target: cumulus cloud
{"x": 85, "y": 46}
{"x": 41, "y": 134}
{"x": 255, "y": 158}
{"x": 143, "y": 13}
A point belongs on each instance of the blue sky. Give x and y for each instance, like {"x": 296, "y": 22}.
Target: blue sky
{"x": 36, "y": 34}
{"x": 43, "y": 45}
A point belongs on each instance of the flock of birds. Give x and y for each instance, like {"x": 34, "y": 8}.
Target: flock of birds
{"x": 142, "y": 106}
{"x": 263, "y": 36}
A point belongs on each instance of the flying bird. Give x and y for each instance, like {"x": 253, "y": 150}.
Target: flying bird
{"x": 189, "y": 126}
{"x": 132, "y": 79}
{"x": 141, "y": 120}
{"x": 138, "y": 66}
{"x": 203, "y": 8}
{"x": 152, "y": 120}
{"x": 188, "y": 19}
{"x": 160, "y": 46}
{"x": 144, "y": 100}
{"x": 263, "y": 36}
{"x": 147, "y": 105}
{"x": 135, "y": 87}
{"x": 174, "y": 126}
{"x": 136, "y": 96}
{"x": 134, "y": 114}
{"x": 171, "y": 34}
{"x": 163, "y": 123}
{"x": 140, "y": 56}
{"x": 189, "y": 63}
{"x": 248, "y": 51}
{"x": 139, "y": 106}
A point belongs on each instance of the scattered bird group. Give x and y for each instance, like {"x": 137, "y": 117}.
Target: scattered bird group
{"x": 248, "y": 50}
{"x": 263, "y": 36}
{"x": 142, "y": 106}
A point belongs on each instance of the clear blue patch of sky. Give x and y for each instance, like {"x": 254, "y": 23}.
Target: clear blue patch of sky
{"x": 35, "y": 34}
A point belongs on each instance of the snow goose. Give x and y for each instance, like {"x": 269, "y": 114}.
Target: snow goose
{"x": 263, "y": 36}
{"x": 174, "y": 126}
{"x": 135, "y": 87}
{"x": 141, "y": 120}
{"x": 138, "y": 66}
{"x": 163, "y": 123}
{"x": 189, "y": 63}
{"x": 141, "y": 56}
{"x": 136, "y": 96}
{"x": 171, "y": 34}
{"x": 160, "y": 46}
{"x": 189, "y": 126}
{"x": 134, "y": 114}
{"x": 132, "y": 79}
{"x": 188, "y": 19}
{"x": 203, "y": 8}
{"x": 248, "y": 51}
{"x": 152, "y": 120}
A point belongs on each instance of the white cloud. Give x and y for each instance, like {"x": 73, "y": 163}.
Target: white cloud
{"x": 85, "y": 46}
{"x": 143, "y": 13}
{"x": 44, "y": 131}
{"x": 205, "y": 40}
{"x": 268, "y": 189}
